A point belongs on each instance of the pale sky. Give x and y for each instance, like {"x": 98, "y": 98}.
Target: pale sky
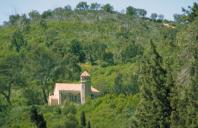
{"x": 165, "y": 7}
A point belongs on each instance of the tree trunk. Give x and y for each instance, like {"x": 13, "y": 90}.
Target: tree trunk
{"x": 45, "y": 96}
{"x": 8, "y": 100}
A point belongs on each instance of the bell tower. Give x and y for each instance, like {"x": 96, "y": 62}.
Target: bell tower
{"x": 85, "y": 86}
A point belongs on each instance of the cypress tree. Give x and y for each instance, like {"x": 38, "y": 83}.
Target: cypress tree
{"x": 37, "y": 118}
{"x": 89, "y": 124}
{"x": 34, "y": 114}
{"x": 155, "y": 109}
{"x": 83, "y": 119}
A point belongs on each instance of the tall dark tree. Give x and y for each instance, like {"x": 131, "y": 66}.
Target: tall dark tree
{"x": 83, "y": 119}
{"x": 37, "y": 118}
{"x": 154, "y": 110}
{"x": 89, "y": 124}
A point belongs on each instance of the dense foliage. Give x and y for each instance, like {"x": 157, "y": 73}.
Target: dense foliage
{"x": 145, "y": 68}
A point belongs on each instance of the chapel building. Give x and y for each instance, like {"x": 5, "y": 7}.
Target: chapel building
{"x": 64, "y": 92}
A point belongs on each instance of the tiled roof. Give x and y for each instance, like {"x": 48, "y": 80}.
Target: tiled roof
{"x": 85, "y": 73}
{"x": 94, "y": 90}
{"x": 71, "y": 87}
{"x": 68, "y": 86}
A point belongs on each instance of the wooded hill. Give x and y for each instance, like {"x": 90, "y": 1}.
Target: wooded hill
{"x": 133, "y": 60}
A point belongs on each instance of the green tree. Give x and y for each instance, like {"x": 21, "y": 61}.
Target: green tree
{"x": 131, "y": 51}
{"x": 43, "y": 24}
{"x": 32, "y": 94}
{"x": 14, "y": 18}
{"x": 77, "y": 50}
{"x": 107, "y": 8}
{"x": 69, "y": 108}
{"x": 68, "y": 8}
{"x": 18, "y": 41}
{"x": 50, "y": 37}
{"x": 95, "y": 51}
{"x": 108, "y": 57}
{"x": 46, "y": 14}
{"x": 83, "y": 119}
{"x": 130, "y": 11}
{"x": 71, "y": 121}
{"x": 89, "y": 124}
{"x": 10, "y": 74}
{"x": 59, "y": 13}
{"x": 153, "y": 16}
{"x": 186, "y": 112}
{"x": 95, "y": 6}
{"x": 191, "y": 14}
{"x": 37, "y": 118}
{"x": 177, "y": 18}
{"x": 154, "y": 110}
{"x": 34, "y": 15}
{"x": 24, "y": 23}
{"x": 141, "y": 12}
{"x": 192, "y": 91}
{"x": 160, "y": 17}
{"x": 82, "y": 6}
{"x": 192, "y": 94}
{"x": 44, "y": 68}
{"x": 69, "y": 67}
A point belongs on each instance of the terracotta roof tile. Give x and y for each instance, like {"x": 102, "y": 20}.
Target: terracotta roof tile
{"x": 85, "y": 73}
{"x": 94, "y": 90}
{"x": 71, "y": 87}
{"x": 68, "y": 86}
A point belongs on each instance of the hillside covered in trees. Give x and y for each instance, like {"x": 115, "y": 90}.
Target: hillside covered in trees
{"x": 146, "y": 68}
